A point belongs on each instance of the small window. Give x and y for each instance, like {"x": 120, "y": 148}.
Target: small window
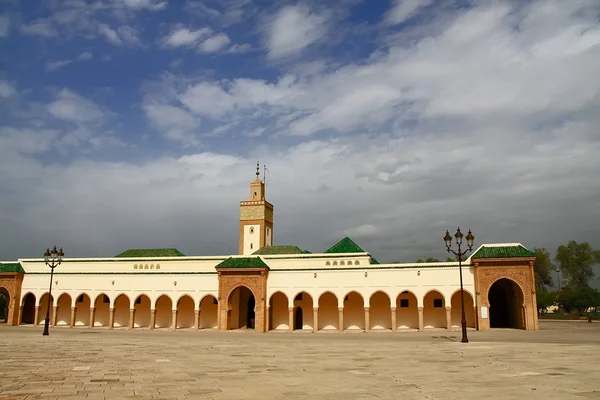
{"x": 342, "y": 263}
{"x": 134, "y": 266}
{"x": 403, "y": 303}
{"x": 356, "y": 262}
{"x": 327, "y": 262}
{"x": 251, "y": 246}
{"x": 151, "y": 266}
{"x": 138, "y": 300}
{"x": 438, "y": 303}
{"x": 335, "y": 263}
{"x": 146, "y": 266}
{"x": 268, "y": 231}
{"x": 157, "y": 266}
{"x": 298, "y": 297}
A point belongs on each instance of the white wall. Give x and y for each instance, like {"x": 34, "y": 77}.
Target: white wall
{"x": 251, "y": 240}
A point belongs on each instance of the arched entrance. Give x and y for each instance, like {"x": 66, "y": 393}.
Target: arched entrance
{"x": 303, "y": 304}
{"x": 506, "y": 305}
{"x": 4, "y": 303}
{"x": 278, "y": 312}
{"x": 209, "y": 308}
{"x": 241, "y": 309}
{"x": 28, "y": 315}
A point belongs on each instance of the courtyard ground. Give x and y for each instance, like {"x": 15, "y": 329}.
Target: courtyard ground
{"x": 561, "y": 361}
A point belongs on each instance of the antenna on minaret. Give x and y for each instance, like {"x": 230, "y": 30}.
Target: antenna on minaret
{"x": 265, "y": 177}
{"x": 257, "y": 169}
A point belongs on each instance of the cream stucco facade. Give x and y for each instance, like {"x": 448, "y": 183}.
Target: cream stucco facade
{"x": 269, "y": 287}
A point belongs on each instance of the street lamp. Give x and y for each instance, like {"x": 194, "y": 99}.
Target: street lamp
{"x": 558, "y": 277}
{"x": 459, "y": 237}
{"x": 53, "y": 259}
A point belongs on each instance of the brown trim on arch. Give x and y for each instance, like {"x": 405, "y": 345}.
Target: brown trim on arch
{"x": 12, "y": 282}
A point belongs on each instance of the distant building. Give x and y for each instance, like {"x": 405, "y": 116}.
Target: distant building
{"x": 268, "y": 287}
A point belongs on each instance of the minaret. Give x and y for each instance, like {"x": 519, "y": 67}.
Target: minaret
{"x": 256, "y": 219}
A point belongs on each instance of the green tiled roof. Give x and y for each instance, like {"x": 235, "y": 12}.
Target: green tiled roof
{"x": 271, "y": 250}
{"x": 243, "y": 262}
{"x": 11, "y": 267}
{"x": 374, "y": 261}
{"x": 150, "y": 253}
{"x": 503, "y": 252}
{"x": 346, "y": 245}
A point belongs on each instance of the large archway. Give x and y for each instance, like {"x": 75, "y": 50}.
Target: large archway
{"x": 209, "y": 309}
{"x": 185, "y": 312}
{"x": 278, "y": 312}
{"x": 43, "y": 309}
{"x": 164, "y": 312}
{"x": 506, "y": 305}
{"x": 121, "y": 312}
{"x": 456, "y": 310}
{"x": 63, "y": 310}
{"x": 241, "y": 306}
{"x": 380, "y": 311}
{"x": 434, "y": 310}
{"x": 328, "y": 312}
{"x": 28, "y": 314}
{"x": 407, "y": 311}
{"x": 82, "y": 310}
{"x": 354, "y": 311}
{"x": 4, "y": 304}
{"x": 101, "y": 310}
{"x": 141, "y": 313}
{"x": 303, "y": 312}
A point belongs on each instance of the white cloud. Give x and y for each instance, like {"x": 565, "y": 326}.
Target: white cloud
{"x": 185, "y": 37}
{"x": 6, "y": 89}
{"x": 214, "y": 43}
{"x": 403, "y": 10}
{"x": 110, "y": 34}
{"x": 54, "y": 65}
{"x": 294, "y": 28}
{"x": 4, "y": 25}
{"x": 86, "y": 55}
{"x": 71, "y": 107}
{"x": 153, "y": 5}
{"x": 240, "y": 48}
{"x": 130, "y": 36}
{"x": 39, "y": 28}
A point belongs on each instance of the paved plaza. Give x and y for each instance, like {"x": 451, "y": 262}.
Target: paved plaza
{"x": 561, "y": 361}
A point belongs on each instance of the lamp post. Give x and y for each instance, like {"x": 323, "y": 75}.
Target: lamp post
{"x": 53, "y": 259}
{"x": 558, "y": 278}
{"x": 459, "y": 237}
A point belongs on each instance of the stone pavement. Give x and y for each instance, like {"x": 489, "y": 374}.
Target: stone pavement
{"x": 561, "y": 361}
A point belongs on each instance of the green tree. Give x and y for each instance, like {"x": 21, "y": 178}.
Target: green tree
{"x": 544, "y": 299}
{"x": 580, "y": 299}
{"x": 427, "y": 260}
{"x": 576, "y": 261}
{"x": 543, "y": 268}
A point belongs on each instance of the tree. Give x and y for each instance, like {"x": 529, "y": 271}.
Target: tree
{"x": 427, "y": 260}
{"x": 544, "y": 299}
{"x": 580, "y": 299}
{"x": 543, "y": 268}
{"x": 576, "y": 261}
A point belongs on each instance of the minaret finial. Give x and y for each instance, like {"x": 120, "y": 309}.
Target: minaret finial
{"x": 257, "y": 169}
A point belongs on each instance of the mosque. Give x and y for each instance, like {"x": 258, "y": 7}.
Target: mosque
{"x": 269, "y": 287}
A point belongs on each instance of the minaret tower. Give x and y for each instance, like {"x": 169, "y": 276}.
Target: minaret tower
{"x": 256, "y": 219}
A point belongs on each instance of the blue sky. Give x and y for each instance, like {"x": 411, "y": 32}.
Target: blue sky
{"x": 137, "y": 123}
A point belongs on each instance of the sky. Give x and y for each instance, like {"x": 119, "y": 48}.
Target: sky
{"x": 139, "y": 123}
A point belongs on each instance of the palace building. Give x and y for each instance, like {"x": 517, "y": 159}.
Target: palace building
{"x": 269, "y": 287}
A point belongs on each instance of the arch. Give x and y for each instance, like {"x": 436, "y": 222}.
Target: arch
{"x": 278, "y": 311}
{"x": 141, "y": 311}
{"x": 241, "y": 308}
{"x": 354, "y": 311}
{"x": 185, "y": 312}
{"x": 456, "y": 310}
{"x": 43, "y": 308}
{"x": 407, "y": 311}
{"x": 328, "y": 312}
{"x": 121, "y": 311}
{"x": 63, "y": 309}
{"x": 28, "y": 313}
{"x": 102, "y": 310}
{"x": 4, "y": 304}
{"x": 209, "y": 310}
{"x": 303, "y": 301}
{"x": 163, "y": 307}
{"x": 506, "y": 301}
{"x": 83, "y": 304}
{"x": 434, "y": 310}
{"x": 380, "y": 311}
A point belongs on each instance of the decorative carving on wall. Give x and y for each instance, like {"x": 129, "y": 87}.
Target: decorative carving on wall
{"x": 255, "y": 280}
{"x": 487, "y": 276}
